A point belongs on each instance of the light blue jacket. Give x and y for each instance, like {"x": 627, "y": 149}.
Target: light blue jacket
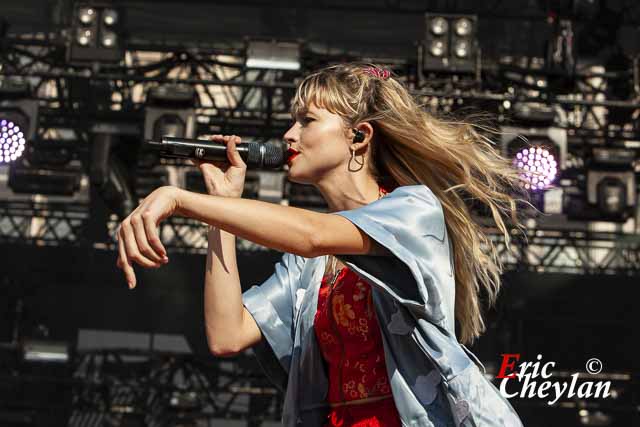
{"x": 432, "y": 376}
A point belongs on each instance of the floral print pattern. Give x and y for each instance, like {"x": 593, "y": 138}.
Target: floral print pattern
{"x": 350, "y": 340}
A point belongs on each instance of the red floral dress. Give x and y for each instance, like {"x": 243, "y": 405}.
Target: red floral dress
{"x": 351, "y": 343}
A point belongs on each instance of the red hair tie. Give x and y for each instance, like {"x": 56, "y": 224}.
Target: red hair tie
{"x": 380, "y": 73}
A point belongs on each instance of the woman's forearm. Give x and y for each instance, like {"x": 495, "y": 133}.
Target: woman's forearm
{"x": 223, "y": 305}
{"x": 283, "y": 228}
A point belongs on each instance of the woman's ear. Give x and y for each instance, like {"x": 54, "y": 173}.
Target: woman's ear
{"x": 362, "y": 133}
{"x": 359, "y": 135}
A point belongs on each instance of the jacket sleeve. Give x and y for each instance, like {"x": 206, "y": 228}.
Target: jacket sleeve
{"x": 409, "y": 223}
{"x": 272, "y": 305}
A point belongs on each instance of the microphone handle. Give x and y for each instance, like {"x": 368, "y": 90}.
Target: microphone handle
{"x": 202, "y": 149}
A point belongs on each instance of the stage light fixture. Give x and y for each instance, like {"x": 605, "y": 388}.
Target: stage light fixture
{"x": 95, "y": 34}
{"x": 11, "y": 141}
{"x": 46, "y": 168}
{"x": 27, "y": 179}
{"x": 110, "y": 17}
{"x": 461, "y": 49}
{"x": 45, "y": 351}
{"x": 537, "y": 158}
{"x": 86, "y": 15}
{"x": 463, "y": 27}
{"x": 169, "y": 111}
{"x": 439, "y": 26}
{"x": 18, "y": 120}
{"x": 611, "y": 183}
{"x": 273, "y": 55}
{"x": 539, "y": 154}
{"x": 84, "y": 37}
{"x": 451, "y": 43}
{"x": 438, "y": 48}
{"x": 109, "y": 39}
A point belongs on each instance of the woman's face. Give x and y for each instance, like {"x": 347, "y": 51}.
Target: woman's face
{"x": 319, "y": 137}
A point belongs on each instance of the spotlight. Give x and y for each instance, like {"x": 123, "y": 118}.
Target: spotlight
{"x": 45, "y": 351}
{"x": 169, "y": 111}
{"x": 539, "y": 154}
{"x": 109, "y": 39}
{"x": 461, "y": 49}
{"x": 110, "y": 17}
{"x": 84, "y": 37}
{"x": 46, "y": 168}
{"x": 611, "y": 194}
{"x": 438, "y": 48}
{"x": 536, "y": 159}
{"x": 11, "y": 141}
{"x": 273, "y": 55}
{"x": 169, "y": 125}
{"x": 611, "y": 183}
{"x": 95, "y": 34}
{"x": 18, "y": 120}
{"x": 439, "y": 26}
{"x": 25, "y": 178}
{"x": 457, "y": 31}
{"x": 86, "y": 15}
{"x": 463, "y": 27}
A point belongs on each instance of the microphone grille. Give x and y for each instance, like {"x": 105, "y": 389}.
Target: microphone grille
{"x": 253, "y": 155}
{"x": 273, "y": 156}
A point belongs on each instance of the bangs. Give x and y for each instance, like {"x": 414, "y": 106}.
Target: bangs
{"x": 316, "y": 90}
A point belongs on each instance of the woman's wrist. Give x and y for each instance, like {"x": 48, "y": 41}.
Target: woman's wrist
{"x": 179, "y": 200}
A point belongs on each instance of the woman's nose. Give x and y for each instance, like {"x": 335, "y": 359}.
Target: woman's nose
{"x": 291, "y": 136}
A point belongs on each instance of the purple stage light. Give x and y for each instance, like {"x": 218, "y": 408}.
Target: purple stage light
{"x": 11, "y": 141}
{"x": 539, "y": 167}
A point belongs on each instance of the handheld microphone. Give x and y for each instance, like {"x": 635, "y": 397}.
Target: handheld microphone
{"x": 254, "y": 154}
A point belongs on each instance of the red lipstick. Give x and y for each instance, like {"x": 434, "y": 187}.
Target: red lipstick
{"x": 291, "y": 154}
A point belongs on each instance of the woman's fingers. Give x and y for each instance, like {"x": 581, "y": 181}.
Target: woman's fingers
{"x": 151, "y": 230}
{"x": 131, "y": 245}
{"x": 138, "y": 237}
{"x": 141, "y": 231}
{"x": 124, "y": 264}
{"x": 232, "y": 153}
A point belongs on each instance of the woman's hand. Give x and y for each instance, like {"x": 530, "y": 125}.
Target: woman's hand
{"x": 224, "y": 178}
{"x": 138, "y": 233}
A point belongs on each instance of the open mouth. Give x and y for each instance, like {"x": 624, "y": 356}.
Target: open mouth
{"x": 291, "y": 154}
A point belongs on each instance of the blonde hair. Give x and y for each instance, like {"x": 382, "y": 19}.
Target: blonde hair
{"x": 454, "y": 158}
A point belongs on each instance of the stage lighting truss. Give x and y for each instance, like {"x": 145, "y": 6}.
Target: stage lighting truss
{"x": 95, "y": 34}
{"x": 170, "y": 389}
{"x": 450, "y": 43}
{"x": 253, "y": 105}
